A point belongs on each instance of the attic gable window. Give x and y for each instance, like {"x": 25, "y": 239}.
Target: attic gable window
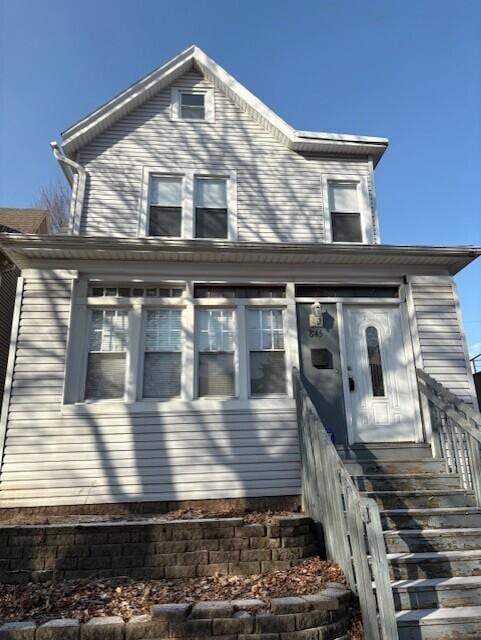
{"x": 192, "y": 106}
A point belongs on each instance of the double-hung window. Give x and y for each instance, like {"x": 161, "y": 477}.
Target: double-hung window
{"x": 165, "y": 206}
{"x": 216, "y": 352}
{"x": 192, "y": 106}
{"x": 162, "y": 353}
{"x": 188, "y": 205}
{"x": 267, "y": 363}
{"x": 107, "y": 354}
{"x": 345, "y": 211}
{"x": 210, "y": 195}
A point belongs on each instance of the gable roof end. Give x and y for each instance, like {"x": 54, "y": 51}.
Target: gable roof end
{"x": 122, "y": 104}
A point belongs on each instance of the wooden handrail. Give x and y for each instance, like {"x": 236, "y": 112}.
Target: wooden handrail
{"x": 456, "y": 431}
{"x": 351, "y": 523}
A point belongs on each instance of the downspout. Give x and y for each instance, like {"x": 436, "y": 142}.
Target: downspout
{"x": 77, "y": 178}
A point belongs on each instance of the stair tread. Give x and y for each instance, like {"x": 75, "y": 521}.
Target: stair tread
{"x": 438, "y": 616}
{"x": 470, "y": 554}
{"x": 431, "y": 510}
{"x": 433, "y": 532}
{"x": 416, "y": 492}
{"x": 428, "y": 584}
{"x": 402, "y": 476}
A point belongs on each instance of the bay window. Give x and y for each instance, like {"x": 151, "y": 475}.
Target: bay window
{"x": 267, "y": 364}
{"x": 163, "y": 353}
{"x": 107, "y": 352}
{"x": 216, "y": 352}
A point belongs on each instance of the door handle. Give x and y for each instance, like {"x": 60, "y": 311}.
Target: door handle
{"x": 352, "y": 385}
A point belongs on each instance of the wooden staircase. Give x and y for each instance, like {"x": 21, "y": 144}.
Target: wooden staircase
{"x": 432, "y": 531}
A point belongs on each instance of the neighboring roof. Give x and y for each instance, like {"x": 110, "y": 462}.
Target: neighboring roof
{"x": 118, "y": 107}
{"x": 22, "y": 249}
{"x": 23, "y": 220}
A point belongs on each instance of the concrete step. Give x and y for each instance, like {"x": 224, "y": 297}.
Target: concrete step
{"x": 424, "y": 499}
{"x": 407, "y": 481}
{"x": 460, "y": 623}
{"x": 457, "y": 518}
{"x": 425, "y": 540}
{"x": 447, "y": 564}
{"x": 385, "y": 451}
{"x": 437, "y": 592}
{"x": 369, "y": 467}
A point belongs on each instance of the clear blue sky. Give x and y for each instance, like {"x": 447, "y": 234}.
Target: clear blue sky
{"x": 408, "y": 70}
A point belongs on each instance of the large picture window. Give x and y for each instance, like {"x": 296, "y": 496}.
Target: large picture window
{"x": 216, "y": 352}
{"x": 163, "y": 353}
{"x": 107, "y": 354}
{"x": 266, "y": 352}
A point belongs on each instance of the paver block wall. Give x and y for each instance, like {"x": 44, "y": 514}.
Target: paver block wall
{"x": 160, "y": 549}
{"x": 320, "y": 616}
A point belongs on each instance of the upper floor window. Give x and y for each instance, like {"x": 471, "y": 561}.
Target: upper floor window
{"x": 210, "y": 195}
{"x": 196, "y": 105}
{"x": 192, "y": 106}
{"x": 345, "y": 212}
{"x": 165, "y": 206}
{"x": 188, "y": 205}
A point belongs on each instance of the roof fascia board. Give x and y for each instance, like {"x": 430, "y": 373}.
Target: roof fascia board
{"x": 86, "y": 129}
{"x": 141, "y": 244}
{"x": 132, "y": 96}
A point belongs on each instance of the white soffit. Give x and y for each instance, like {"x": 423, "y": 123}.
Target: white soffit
{"x": 24, "y": 248}
{"x": 118, "y": 107}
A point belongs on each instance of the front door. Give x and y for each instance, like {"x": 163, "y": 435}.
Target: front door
{"x": 380, "y": 392}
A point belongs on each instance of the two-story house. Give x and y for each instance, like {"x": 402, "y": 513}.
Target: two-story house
{"x": 212, "y": 248}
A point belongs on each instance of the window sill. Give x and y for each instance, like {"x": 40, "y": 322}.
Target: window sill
{"x": 111, "y": 407}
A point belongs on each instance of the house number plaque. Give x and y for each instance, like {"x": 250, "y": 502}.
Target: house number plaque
{"x": 316, "y": 320}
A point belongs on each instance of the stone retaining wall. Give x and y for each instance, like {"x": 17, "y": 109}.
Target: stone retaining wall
{"x": 155, "y": 549}
{"x": 321, "y": 616}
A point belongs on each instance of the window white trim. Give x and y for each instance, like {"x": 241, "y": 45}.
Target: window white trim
{"x": 209, "y": 108}
{"x": 188, "y": 205}
{"x": 283, "y": 310}
{"x": 364, "y": 205}
{"x": 76, "y": 371}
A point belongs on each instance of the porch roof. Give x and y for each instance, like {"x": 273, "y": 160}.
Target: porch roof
{"x": 26, "y": 249}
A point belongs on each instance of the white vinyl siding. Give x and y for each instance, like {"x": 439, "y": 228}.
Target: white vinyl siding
{"x": 267, "y": 365}
{"x": 163, "y": 353}
{"x": 279, "y": 194}
{"x": 52, "y": 458}
{"x": 440, "y": 336}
